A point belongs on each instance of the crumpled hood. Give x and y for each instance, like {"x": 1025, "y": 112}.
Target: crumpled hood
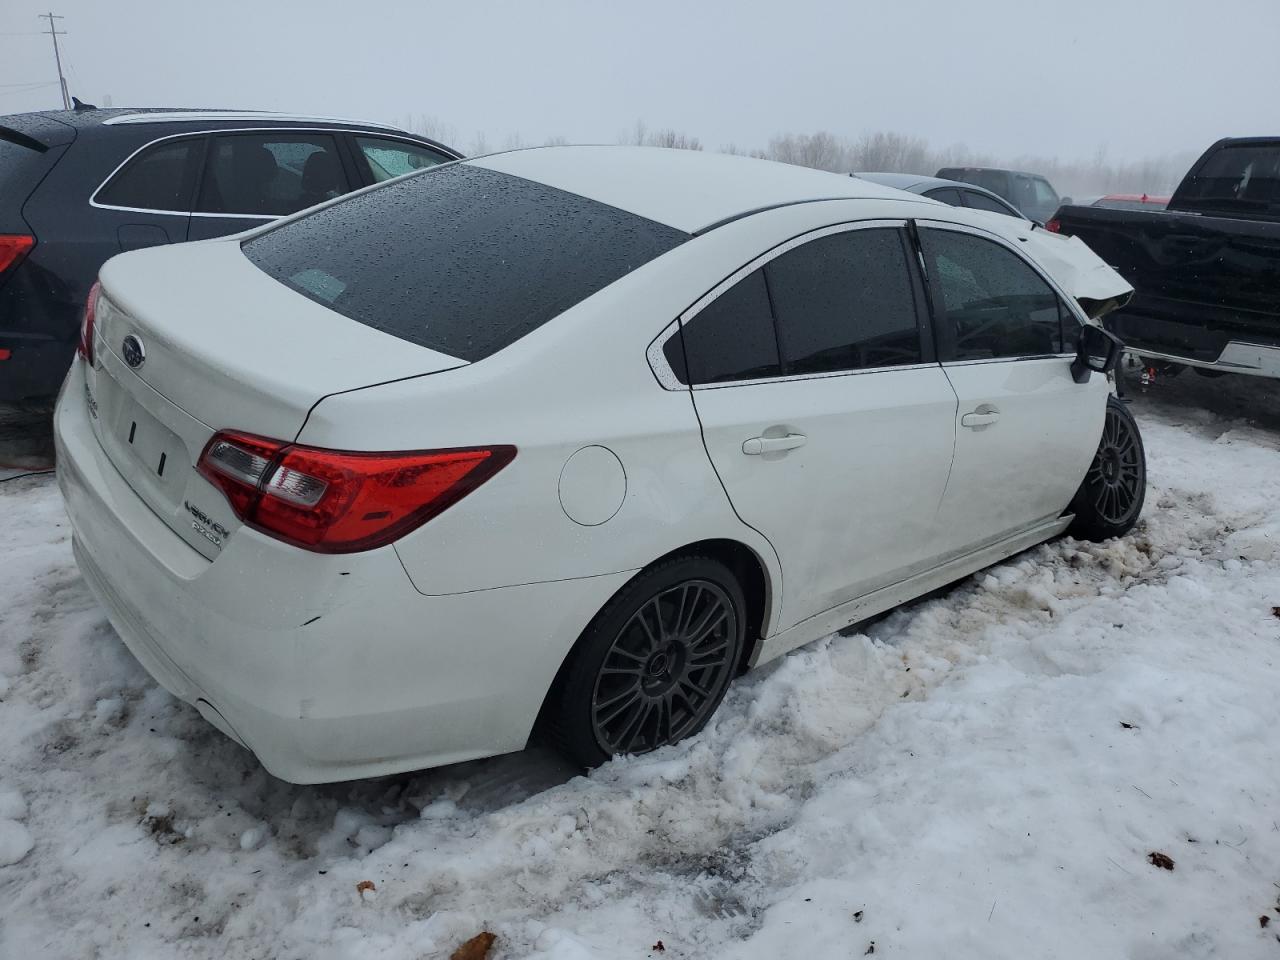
{"x": 1077, "y": 269}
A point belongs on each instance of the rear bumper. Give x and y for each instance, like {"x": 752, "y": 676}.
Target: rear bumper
{"x": 1255, "y": 352}
{"x": 35, "y": 368}
{"x": 326, "y": 667}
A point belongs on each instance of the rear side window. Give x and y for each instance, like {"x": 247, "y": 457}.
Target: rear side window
{"x": 462, "y": 260}
{"x": 732, "y": 338}
{"x": 845, "y": 302}
{"x": 994, "y": 304}
{"x": 161, "y": 177}
{"x": 271, "y": 175}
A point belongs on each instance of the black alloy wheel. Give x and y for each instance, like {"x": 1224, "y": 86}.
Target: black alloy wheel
{"x": 653, "y": 665}
{"x": 665, "y": 669}
{"x": 1111, "y": 496}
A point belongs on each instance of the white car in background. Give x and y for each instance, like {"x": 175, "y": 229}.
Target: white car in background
{"x": 572, "y": 433}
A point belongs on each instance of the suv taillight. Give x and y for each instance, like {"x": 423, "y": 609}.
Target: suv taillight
{"x": 85, "y": 346}
{"x": 1053, "y": 225}
{"x": 13, "y": 249}
{"x": 340, "y": 501}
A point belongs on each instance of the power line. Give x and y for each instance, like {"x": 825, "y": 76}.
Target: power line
{"x": 55, "y": 33}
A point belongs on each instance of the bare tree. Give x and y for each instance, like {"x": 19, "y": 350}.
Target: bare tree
{"x": 642, "y": 136}
{"x": 431, "y": 127}
{"x": 821, "y": 150}
{"x": 892, "y": 153}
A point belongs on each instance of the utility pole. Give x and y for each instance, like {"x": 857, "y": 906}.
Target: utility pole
{"x": 55, "y": 33}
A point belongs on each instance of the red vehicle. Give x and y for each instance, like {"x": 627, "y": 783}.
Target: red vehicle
{"x": 1131, "y": 201}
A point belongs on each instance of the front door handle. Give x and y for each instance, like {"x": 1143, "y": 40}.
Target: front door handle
{"x": 758, "y": 445}
{"x": 981, "y": 418}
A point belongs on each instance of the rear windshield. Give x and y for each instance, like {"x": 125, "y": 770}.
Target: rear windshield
{"x": 1246, "y": 177}
{"x": 459, "y": 259}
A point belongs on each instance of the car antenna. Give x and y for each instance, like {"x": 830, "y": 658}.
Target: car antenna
{"x": 81, "y": 105}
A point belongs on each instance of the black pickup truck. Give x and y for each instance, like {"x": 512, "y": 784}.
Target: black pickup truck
{"x": 1206, "y": 270}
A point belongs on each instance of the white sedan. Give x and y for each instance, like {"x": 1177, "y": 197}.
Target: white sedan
{"x": 568, "y": 436}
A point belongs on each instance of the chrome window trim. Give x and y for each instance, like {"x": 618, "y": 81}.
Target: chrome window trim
{"x": 191, "y": 134}
{"x": 825, "y": 375}
{"x": 658, "y": 360}
{"x": 196, "y": 116}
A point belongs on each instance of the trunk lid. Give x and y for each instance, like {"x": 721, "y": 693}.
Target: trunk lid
{"x": 224, "y": 346}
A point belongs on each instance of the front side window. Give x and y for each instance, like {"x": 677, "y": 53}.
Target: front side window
{"x": 394, "y": 158}
{"x": 462, "y": 260}
{"x": 270, "y": 174}
{"x": 948, "y": 195}
{"x": 845, "y": 302}
{"x": 159, "y": 178}
{"x": 992, "y": 303}
{"x": 1044, "y": 194}
{"x": 732, "y": 338}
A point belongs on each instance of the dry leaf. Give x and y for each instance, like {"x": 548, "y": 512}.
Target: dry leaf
{"x": 857, "y": 916}
{"x": 477, "y": 948}
{"x": 658, "y": 947}
{"x": 871, "y": 949}
{"x": 1263, "y": 921}
{"x": 1162, "y": 860}
{"x": 365, "y": 885}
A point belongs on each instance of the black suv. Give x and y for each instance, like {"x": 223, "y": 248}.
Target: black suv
{"x": 77, "y": 187}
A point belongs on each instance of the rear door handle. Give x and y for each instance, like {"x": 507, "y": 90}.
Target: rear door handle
{"x": 976, "y": 419}
{"x": 758, "y": 445}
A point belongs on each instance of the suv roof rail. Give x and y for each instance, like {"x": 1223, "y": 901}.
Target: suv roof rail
{"x": 195, "y": 116}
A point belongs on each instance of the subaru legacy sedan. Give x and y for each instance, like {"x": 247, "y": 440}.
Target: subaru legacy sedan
{"x": 567, "y": 437}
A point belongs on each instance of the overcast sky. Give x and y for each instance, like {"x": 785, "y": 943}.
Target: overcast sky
{"x": 1009, "y": 77}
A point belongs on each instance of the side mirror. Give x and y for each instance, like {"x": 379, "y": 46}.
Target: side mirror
{"x": 1097, "y": 351}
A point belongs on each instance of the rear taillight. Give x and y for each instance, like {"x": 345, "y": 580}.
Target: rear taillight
{"x": 1053, "y": 225}
{"x": 338, "y": 501}
{"x": 13, "y": 249}
{"x": 85, "y": 347}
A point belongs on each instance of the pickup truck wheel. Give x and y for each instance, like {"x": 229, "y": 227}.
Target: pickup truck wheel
{"x": 1111, "y": 495}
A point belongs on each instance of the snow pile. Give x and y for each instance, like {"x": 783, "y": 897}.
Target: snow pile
{"x": 15, "y": 839}
{"x": 983, "y": 774}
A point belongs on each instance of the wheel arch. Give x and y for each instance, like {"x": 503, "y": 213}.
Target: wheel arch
{"x": 753, "y": 575}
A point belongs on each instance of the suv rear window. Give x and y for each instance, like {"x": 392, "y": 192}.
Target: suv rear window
{"x": 459, "y": 259}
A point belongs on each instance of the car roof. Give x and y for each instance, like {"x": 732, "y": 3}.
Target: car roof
{"x": 112, "y": 116}
{"x": 686, "y": 189}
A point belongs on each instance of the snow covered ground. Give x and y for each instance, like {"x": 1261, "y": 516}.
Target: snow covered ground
{"x": 983, "y": 774}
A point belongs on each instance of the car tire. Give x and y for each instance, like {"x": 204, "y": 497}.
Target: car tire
{"x": 653, "y": 665}
{"x": 1111, "y": 495}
